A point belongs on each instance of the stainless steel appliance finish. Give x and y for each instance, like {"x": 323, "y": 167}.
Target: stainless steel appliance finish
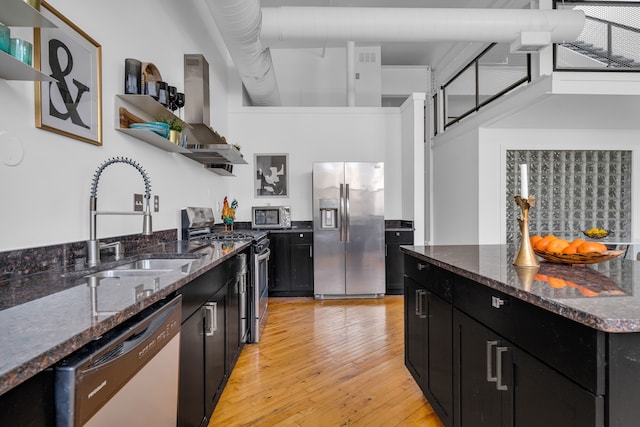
{"x": 127, "y": 377}
{"x": 348, "y": 229}
{"x": 270, "y": 217}
{"x": 241, "y": 280}
{"x": 259, "y": 288}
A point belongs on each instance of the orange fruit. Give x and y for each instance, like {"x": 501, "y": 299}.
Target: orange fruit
{"x": 576, "y": 242}
{"x": 535, "y": 239}
{"x": 589, "y": 247}
{"x": 557, "y": 245}
{"x": 569, "y": 250}
{"x": 544, "y": 242}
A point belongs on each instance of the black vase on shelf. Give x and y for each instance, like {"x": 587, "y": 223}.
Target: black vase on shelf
{"x": 132, "y": 76}
{"x": 163, "y": 93}
{"x": 152, "y": 89}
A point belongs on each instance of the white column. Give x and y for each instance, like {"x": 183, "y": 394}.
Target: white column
{"x": 351, "y": 74}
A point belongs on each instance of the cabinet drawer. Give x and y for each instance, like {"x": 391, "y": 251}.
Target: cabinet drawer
{"x": 398, "y": 237}
{"x": 199, "y": 290}
{"x": 433, "y": 278}
{"x": 574, "y": 349}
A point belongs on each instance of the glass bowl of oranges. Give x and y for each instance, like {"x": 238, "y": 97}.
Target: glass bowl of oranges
{"x": 575, "y": 252}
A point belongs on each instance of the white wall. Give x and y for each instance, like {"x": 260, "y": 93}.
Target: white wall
{"x": 413, "y": 164}
{"x": 456, "y": 185}
{"x": 312, "y": 135}
{"x": 311, "y": 77}
{"x": 45, "y": 198}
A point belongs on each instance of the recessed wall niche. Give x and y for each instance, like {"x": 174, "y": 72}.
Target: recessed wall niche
{"x": 575, "y": 190}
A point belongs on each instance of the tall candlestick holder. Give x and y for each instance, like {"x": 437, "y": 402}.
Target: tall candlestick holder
{"x": 525, "y": 257}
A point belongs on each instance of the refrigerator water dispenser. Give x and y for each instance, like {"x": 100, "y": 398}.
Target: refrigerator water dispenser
{"x": 328, "y": 214}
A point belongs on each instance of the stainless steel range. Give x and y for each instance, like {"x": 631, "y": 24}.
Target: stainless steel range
{"x": 199, "y": 224}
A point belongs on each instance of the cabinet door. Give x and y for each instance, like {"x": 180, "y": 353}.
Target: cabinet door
{"x": 483, "y": 391}
{"x": 279, "y": 271}
{"x": 439, "y": 379}
{"x": 416, "y": 330}
{"x": 544, "y": 397}
{"x": 214, "y": 348}
{"x": 394, "y": 265}
{"x": 233, "y": 317}
{"x": 301, "y": 250}
{"x": 191, "y": 400}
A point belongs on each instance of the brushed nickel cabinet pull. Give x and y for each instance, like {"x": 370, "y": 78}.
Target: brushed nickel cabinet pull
{"x": 490, "y": 377}
{"x": 211, "y": 309}
{"x": 499, "y": 385}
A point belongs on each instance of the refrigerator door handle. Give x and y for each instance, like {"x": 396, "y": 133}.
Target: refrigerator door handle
{"x": 347, "y": 215}
{"x": 341, "y": 212}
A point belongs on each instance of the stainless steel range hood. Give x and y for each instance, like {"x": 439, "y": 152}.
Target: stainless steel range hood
{"x": 204, "y": 145}
{"x": 196, "y": 94}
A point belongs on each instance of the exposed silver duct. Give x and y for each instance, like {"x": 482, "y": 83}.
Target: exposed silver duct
{"x": 247, "y": 29}
{"x": 371, "y": 24}
{"x": 239, "y": 22}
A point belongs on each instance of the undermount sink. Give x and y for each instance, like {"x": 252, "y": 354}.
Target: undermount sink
{"x": 146, "y": 268}
{"x": 156, "y": 264}
{"x": 116, "y": 273}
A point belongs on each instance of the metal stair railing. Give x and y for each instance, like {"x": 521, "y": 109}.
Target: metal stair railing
{"x": 611, "y": 51}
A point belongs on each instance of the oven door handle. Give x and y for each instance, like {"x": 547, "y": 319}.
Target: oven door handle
{"x": 264, "y": 255}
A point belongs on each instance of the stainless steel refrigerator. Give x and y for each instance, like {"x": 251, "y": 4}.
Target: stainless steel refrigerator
{"x": 348, "y": 229}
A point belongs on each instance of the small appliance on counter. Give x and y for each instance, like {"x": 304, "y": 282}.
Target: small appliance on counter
{"x": 270, "y": 217}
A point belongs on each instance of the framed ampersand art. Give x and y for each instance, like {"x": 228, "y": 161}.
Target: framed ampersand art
{"x": 72, "y": 105}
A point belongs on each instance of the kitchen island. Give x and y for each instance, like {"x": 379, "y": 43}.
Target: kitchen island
{"x": 491, "y": 344}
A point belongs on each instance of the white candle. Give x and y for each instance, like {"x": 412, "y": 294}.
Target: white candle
{"x": 524, "y": 181}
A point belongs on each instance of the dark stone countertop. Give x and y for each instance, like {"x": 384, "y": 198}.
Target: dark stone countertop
{"x": 398, "y": 225}
{"x": 603, "y": 296}
{"x": 49, "y": 315}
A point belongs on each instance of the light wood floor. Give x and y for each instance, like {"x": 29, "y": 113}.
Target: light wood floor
{"x": 326, "y": 363}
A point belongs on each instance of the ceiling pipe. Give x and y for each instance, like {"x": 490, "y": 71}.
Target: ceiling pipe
{"x": 364, "y": 24}
{"x": 247, "y": 29}
{"x": 239, "y": 24}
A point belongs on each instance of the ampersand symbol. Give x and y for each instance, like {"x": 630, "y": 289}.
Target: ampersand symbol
{"x": 60, "y": 74}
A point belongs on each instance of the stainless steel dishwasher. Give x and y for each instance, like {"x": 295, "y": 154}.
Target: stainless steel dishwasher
{"x": 128, "y": 377}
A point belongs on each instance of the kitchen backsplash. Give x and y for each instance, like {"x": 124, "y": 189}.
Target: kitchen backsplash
{"x": 574, "y": 189}
{"x": 22, "y": 262}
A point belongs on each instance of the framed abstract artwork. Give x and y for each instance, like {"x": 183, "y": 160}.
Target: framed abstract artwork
{"x": 271, "y": 175}
{"x": 72, "y": 105}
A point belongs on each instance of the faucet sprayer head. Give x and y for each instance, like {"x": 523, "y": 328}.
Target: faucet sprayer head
{"x": 136, "y": 165}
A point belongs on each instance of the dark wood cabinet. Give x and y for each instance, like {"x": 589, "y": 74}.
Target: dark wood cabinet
{"x": 236, "y": 290}
{"x": 499, "y": 384}
{"x": 394, "y": 259}
{"x": 191, "y": 405}
{"x": 210, "y": 340}
{"x": 214, "y": 348}
{"x": 428, "y": 333}
{"x": 30, "y": 404}
{"x": 291, "y": 264}
{"x": 484, "y": 358}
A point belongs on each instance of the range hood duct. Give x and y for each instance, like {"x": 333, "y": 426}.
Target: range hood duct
{"x": 371, "y": 24}
{"x": 197, "y": 112}
{"x": 239, "y": 23}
